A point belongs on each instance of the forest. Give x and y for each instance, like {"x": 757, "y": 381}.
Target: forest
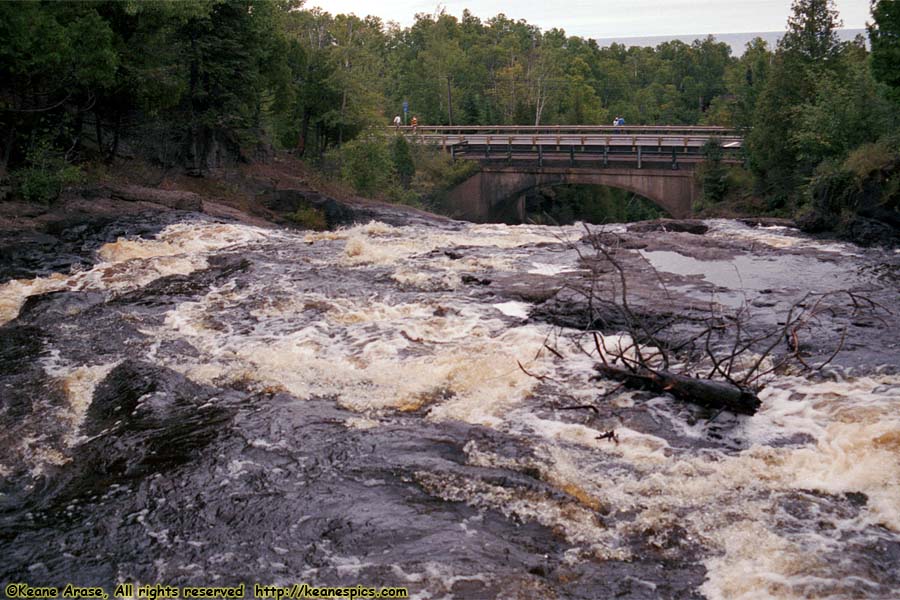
{"x": 206, "y": 84}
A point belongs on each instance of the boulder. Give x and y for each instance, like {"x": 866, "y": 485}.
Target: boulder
{"x": 177, "y": 200}
{"x": 677, "y": 225}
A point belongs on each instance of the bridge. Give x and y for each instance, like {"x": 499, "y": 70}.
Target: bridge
{"x": 656, "y": 162}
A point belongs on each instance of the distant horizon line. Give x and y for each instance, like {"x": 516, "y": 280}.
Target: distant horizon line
{"x": 774, "y": 31}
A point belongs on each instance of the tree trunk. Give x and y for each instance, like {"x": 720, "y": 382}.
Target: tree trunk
{"x": 539, "y": 105}
{"x": 99, "y": 129}
{"x": 79, "y": 128}
{"x": 449, "y": 103}
{"x": 114, "y": 149}
{"x": 718, "y": 395}
{"x": 341, "y": 122}
{"x": 192, "y": 95}
{"x": 7, "y": 150}
{"x": 304, "y": 131}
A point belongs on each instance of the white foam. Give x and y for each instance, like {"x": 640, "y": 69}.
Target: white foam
{"x": 514, "y": 309}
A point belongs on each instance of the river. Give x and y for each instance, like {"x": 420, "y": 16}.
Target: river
{"x": 216, "y": 403}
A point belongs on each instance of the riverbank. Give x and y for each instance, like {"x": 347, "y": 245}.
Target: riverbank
{"x": 135, "y": 199}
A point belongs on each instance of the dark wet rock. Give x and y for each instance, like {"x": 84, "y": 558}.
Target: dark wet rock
{"x": 670, "y": 225}
{"x": 871, "y": 232}
{"x": 175, "y": 199}
{"x": 58, "y": 305}
{"x": 857, "y": 498}
{"x": 71, "y": 243}
{"x": 764, "y": 303}
{"x": 19, "y": 347}
{"x": 173, "y": 289}
{"x": 861, "y": 552}
{"x": 473, "y": 280}
{"x": 574, "y": 314}
{"x": 526, "y": 287}
{"x": 144, "y": 420}
{"x": 768, "y": 222}
{"x": 291, "y": 201}
{"x": 289, "y": 484}
{"x": 686, "y": 244}
{"x": 141, "y": 395}
{"x": 874, "y": 226}
{"x": 26, "y": 254}
{"x": 348, "y": 212}
{"x": 638, "y": 579}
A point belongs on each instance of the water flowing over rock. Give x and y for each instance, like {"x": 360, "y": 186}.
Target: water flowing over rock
{"x": 204, "y": 401}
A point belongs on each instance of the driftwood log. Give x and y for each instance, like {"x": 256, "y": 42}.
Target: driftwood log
{"x": 714, "y": 394}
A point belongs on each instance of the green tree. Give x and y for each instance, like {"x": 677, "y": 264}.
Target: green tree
{"x": 884, "y": 34}
{"x": 366, "y": 164}
{"x": 713, "y": 174}
{"x": 55, "y": 57}
{"x": 746, "y": 80}
{"x": 808, "y": 52}
{"x": 231, "y": 60}
{"x": 844, "y": 112}
{"x": 402, "y": 159}
{"x": 582, "y": 105}
{"x": 811, "y": 34}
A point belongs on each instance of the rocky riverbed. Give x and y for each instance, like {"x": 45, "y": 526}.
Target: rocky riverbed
{"x": 189, "y": 399}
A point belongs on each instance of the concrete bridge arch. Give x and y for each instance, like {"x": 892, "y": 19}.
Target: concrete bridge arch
{"x": 497, "y": 193}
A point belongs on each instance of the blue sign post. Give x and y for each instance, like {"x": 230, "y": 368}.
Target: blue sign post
{"x": 405, "y": 111}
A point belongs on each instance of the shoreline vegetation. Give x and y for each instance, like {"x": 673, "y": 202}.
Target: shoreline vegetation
{"x": 207, "y": 97}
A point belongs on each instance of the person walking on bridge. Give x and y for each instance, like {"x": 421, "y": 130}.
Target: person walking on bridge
{"x": 397, "y": 122}
{"x": 415, "y": 124}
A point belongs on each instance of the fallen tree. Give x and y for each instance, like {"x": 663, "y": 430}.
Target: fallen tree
{"x": 723, "y": 364}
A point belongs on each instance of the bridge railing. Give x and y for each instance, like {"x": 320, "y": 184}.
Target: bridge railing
{"x": 582, "y": 137}
{"x": 704, "y": 130}
{"x": 579, "y": 145}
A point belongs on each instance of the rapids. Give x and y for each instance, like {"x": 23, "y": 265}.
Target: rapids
{"x": 218, "y": 403}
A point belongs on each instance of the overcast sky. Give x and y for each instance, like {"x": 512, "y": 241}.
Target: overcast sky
{"x": 610, "y": 18}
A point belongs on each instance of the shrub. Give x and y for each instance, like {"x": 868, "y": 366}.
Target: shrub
{"x": 404, "y": 166}
{"x": 309, "y": 217}
{"x": 366, "y": 164}
{"x": 870, "y": 158}
{"x": 713, "y": 174}
{"x": 45, "y": 175}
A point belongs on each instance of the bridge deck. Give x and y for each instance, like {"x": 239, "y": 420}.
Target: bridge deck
{"x": 578, "y": 143}
{"x": 708, "y": 130}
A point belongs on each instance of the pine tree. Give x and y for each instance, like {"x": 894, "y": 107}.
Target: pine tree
{"x": 809, "y": 51}
{"x": 884, "y": 34}
{"x": 812, "y": 31}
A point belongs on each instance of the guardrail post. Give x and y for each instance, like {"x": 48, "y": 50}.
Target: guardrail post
{"x": 674, "y": 159}
{"x": 508, "y": 152}
{"x": 639, "y": 157}
{"x": 572, "y": 155}
{"x": 540, "y": 155}
{"x": 605, "y": 155}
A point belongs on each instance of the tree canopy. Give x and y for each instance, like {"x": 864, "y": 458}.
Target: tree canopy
{"x": 205, "y": 83}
